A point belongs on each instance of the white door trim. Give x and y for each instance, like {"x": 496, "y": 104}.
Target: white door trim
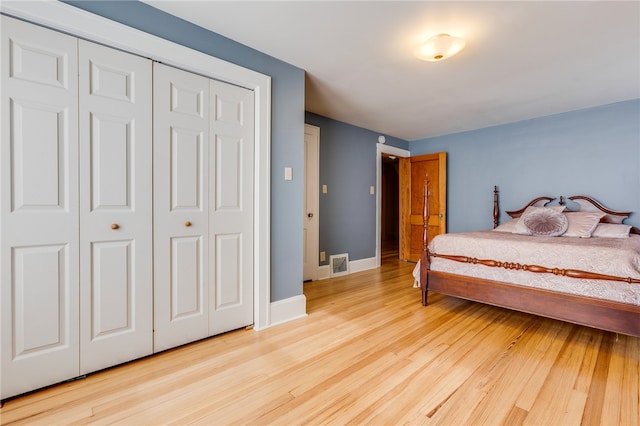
{"x": 314, "y": 131}
{"x": 78, "y": 22}
{"x": 383, "y": 149}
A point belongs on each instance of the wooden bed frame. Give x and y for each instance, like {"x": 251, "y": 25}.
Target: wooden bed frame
{"x": 602, "y": 314}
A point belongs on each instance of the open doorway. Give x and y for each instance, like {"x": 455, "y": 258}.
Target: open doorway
{"x": 386, "y": 154}
{"x": 389, "y": 208}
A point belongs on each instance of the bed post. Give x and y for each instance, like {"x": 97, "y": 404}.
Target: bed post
{"x": 424, "y": 258}
{"x": 496, "y": 207}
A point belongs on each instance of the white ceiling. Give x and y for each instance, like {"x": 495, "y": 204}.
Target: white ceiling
{"x": 522, "y": 59}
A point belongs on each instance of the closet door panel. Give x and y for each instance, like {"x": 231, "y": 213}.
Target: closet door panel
{"x": 38, "y": 208}
{"x": 181, "y": 129}
{"x": 112, "y": 286}
{"x": 110, "y": 157}
{"x": 186, "y": 277}
{"x": 228, "y": 271}
{"x": 116, "y": 288}
{"x": 38, "y": 151}
{"x": 40, "y": 286}
{"x": 231, "y": 207}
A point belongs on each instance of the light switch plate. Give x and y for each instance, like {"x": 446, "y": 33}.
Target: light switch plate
{"x": 324, "y": 189}
{"x": 288, "y": 173}
{"x": 372, "y": 190}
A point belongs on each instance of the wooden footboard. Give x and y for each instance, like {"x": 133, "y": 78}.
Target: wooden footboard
{"x": 606, "y": 315}
{"x": 571, "y": 273}
{"x": 601, "y": 314}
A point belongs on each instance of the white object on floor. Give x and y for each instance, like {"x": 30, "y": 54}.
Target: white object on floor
{"x": 416, "y": 275}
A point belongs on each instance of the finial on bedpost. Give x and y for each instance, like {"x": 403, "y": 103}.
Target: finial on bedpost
{"x": 496, "y": 207}
{"x": 561, "y": 202}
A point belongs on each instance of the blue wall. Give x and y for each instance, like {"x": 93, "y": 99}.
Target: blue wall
{"x": 348, "y": 168}
{"x": 594, "y": 152}
{"x": 287, "y": 125}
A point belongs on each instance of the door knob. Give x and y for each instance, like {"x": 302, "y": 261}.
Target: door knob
{"x": 187, "y": 224}
{"x": 309, "y": 214}
{"x": 115, "y": 226}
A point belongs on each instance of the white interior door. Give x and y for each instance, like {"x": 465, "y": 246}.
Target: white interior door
{"x": 116, "y": 282}
{"x": 311, "y": 221}
{"x": 38, "y": 208}
{"x": 181, "y": 196}
{"x": 231, "y": 168}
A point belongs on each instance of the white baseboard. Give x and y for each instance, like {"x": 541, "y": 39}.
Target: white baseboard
{"x": 324, "y": 271}
{"x": 288, "y": 310}
{"x": 362, "y": 265}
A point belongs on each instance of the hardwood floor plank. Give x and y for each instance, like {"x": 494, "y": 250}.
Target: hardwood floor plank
{"x": 368, "y": 353}
{"x": 559, "y": 387}
{"x": 622, "y": 381}
{"x": 501, "y": 371}
{"x": 592, "y": 414}
{"x": 515, "y": 417}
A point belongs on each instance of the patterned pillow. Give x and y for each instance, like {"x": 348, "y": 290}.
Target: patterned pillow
{"x": 546, "y": 222}
{"x": 520, "y": 228}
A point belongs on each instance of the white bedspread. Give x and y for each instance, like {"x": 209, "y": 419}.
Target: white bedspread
{"x": 611, "y": 256}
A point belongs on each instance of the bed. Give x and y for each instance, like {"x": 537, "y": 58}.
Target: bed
{"x": 570, "y": 259}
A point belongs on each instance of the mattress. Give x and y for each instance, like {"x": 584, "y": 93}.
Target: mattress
{"x": 610, "y": 256}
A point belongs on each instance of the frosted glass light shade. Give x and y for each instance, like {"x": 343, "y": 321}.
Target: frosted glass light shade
{"x": 440, "y": 47}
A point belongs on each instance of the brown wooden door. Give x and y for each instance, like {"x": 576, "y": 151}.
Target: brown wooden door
{"x": 413, "y": 172}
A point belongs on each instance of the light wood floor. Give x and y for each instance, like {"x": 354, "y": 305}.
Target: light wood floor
{"x": 368, "y": 353}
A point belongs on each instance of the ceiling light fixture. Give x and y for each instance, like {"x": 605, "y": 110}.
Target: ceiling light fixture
{"x": 440, "y": 47}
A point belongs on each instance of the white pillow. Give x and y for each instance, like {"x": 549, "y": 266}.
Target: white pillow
{"x": 582, "y": 224}
{"x": 520, "y": 227}
{"x": 508, "y": 226}
{"x": 611, "y": 230}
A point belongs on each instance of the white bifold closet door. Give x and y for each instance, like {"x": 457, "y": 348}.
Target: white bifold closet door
{"x": 75, "y": 160}
{"x": 203, "y": 207}
{"x": 78, "y": 288}
{"x": 231, "y": 198}
{"x": 39, "y": 208}
{"x": 116, "y": 265}
{"x": 181, "y": 197}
